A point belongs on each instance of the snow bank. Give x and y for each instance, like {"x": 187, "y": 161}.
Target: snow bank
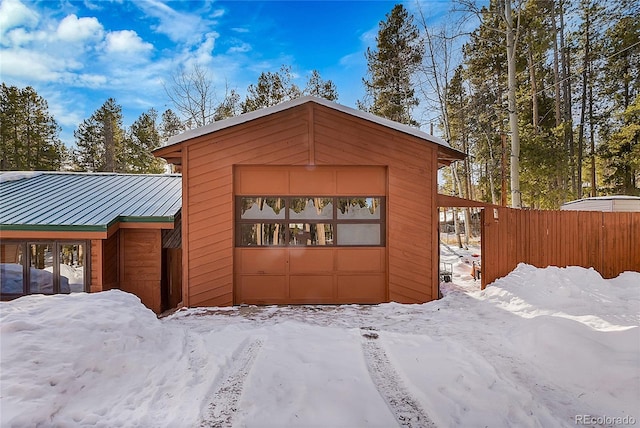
{"x": 573, "y": 292}
{"x": 90, "y": 360}
{"x": 537, "y": 348}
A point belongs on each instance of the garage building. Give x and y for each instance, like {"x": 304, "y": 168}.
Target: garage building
{"x": 308, "y": 202}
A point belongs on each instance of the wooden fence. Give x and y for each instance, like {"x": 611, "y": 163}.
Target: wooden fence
{"x": 608, "y": 242}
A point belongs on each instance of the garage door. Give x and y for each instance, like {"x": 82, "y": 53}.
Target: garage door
{"x": 310, "y": 235}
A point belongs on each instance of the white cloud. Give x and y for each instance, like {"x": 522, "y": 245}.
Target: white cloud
{"x": 241, "y": 48}
{"x": 30, "y": 65}
{"x": 218, "y": 13}
{"x": 204, "y": 52}
{"x": 74, "y": 29}
{"x": 353, "y": 60}
{"x": 126, "y": 42}
{"x": 179, "y": 26}
{"x": 21, "y": 37}
{"x": 91, "y": 80}
{"x": 368, "y": 38}
{"x": 15, "y": 14}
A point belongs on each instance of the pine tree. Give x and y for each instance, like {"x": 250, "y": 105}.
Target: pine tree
{"x": 100, "y": 140}
{"x": 171, "y": 125}
{"x": 618, "y": 90}
{"x": 485, "y": 60}
{"x": 142, "y": 138}
{"x": 229, "y": 107}
{"x": 271, "y": 89}
{"x": 621, "y": 154}
{"x": 398, "y": 54}
{"x": 29, "y": 135}
{"x": 320, "y": 88}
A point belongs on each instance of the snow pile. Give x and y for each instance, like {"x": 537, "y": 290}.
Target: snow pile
{"x": 538, "y": 348}
{"x": 573, "y": 293}
{"x": 91, "y": 360}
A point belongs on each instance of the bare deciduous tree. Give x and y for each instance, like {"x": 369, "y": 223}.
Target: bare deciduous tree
{"x": 193, "y": 94}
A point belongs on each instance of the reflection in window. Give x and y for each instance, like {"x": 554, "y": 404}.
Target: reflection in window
{"x": 309, "y": 220}
{"x": 41, "y": 269}
{"x": 359, "y": 208}
{"x": 358, "y": 234}
{"x": 310, "y": 234}
{"x": 311, "y": 208}
{"x": 11, "y": 268}
{"x": 71, "y": 268}
{"x": 262, "y": 208}
{"x": 262, "y": 234}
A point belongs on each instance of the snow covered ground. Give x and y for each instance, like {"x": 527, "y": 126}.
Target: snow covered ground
{"x": 538, "y": 348}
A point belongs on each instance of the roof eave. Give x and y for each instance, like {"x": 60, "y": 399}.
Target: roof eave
{"x": 173, "y": 147}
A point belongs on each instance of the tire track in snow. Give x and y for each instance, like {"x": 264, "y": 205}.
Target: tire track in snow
{"x": 407, "y": 411}
{"x": 224, "y": 403}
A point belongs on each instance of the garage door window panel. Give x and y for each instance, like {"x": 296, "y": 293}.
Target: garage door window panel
{"x": 309, "y": 221}
{"x": 311, "y": 208}
{"x": 310, "y": 234}
{"x": 262, "y": 234}
{"x": 264, "y": 208}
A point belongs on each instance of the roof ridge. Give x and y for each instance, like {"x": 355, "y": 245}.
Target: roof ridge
{"x": 267, "y": 111}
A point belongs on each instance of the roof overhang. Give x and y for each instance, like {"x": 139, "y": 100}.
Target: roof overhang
{"x": 172, "y": 151}
{"x": 57, "y": 231}
{"x": 454, "y": 201}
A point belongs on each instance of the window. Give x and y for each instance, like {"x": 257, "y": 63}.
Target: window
{"x": 49, "y": 267}
{"x": 309, "y": 221}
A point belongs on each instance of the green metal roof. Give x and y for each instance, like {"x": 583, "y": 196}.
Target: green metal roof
{"x": 65, "y": 201}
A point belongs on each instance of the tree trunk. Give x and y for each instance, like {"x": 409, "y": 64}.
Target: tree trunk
{"x": 534, "y": 91}
{"x": 594, "y": 191}
{"x": 566, "y": 95}
{"x": 556, "y": 71}
{"x": 456, "y": 179}
{"x": 492, "y": 186}
{"x": 109, "y": 146}
{"x": 516, "y": 201}
{"x": 583, "y": 107}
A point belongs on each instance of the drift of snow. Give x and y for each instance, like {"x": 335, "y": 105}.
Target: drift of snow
{"x": 538, "y": 348}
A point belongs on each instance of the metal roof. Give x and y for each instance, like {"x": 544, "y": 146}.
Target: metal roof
{"x": 247, "y": 117}
{"x": 65, "y": 201}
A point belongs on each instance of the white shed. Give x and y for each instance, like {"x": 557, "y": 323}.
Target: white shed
{"x": 605, "y": 203}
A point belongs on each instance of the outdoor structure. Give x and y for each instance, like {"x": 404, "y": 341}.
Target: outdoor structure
{"x": 604, "y": 203}
{"x": 604, "y": 241}
{"x": 73, "y": 232}
{"x": 308, "y": 202}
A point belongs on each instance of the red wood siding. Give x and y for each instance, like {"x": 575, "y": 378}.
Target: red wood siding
{"x": 306, "y": 135}
{"x": 411, "y": 200}
{"x": 110, "y": 262}
{"x": 96, "y": 279}
{"x": 606, "y": 241}
{"x": 140, "y": 265}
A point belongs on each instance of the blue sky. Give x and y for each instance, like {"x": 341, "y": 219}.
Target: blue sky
{"x": 76, "y": 54}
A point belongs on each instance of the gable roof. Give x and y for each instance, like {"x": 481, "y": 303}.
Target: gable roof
{"x": 64, "y": 201}
{"x": 247, "y": 117}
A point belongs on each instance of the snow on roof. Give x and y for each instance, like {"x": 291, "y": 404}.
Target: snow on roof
{"x": 618, "y": 203}
{"x": 606, "y": 198}
{"x": 86, "y": 201}
{"x": 247, "y": 117}
{"x": 17, "y": 175}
